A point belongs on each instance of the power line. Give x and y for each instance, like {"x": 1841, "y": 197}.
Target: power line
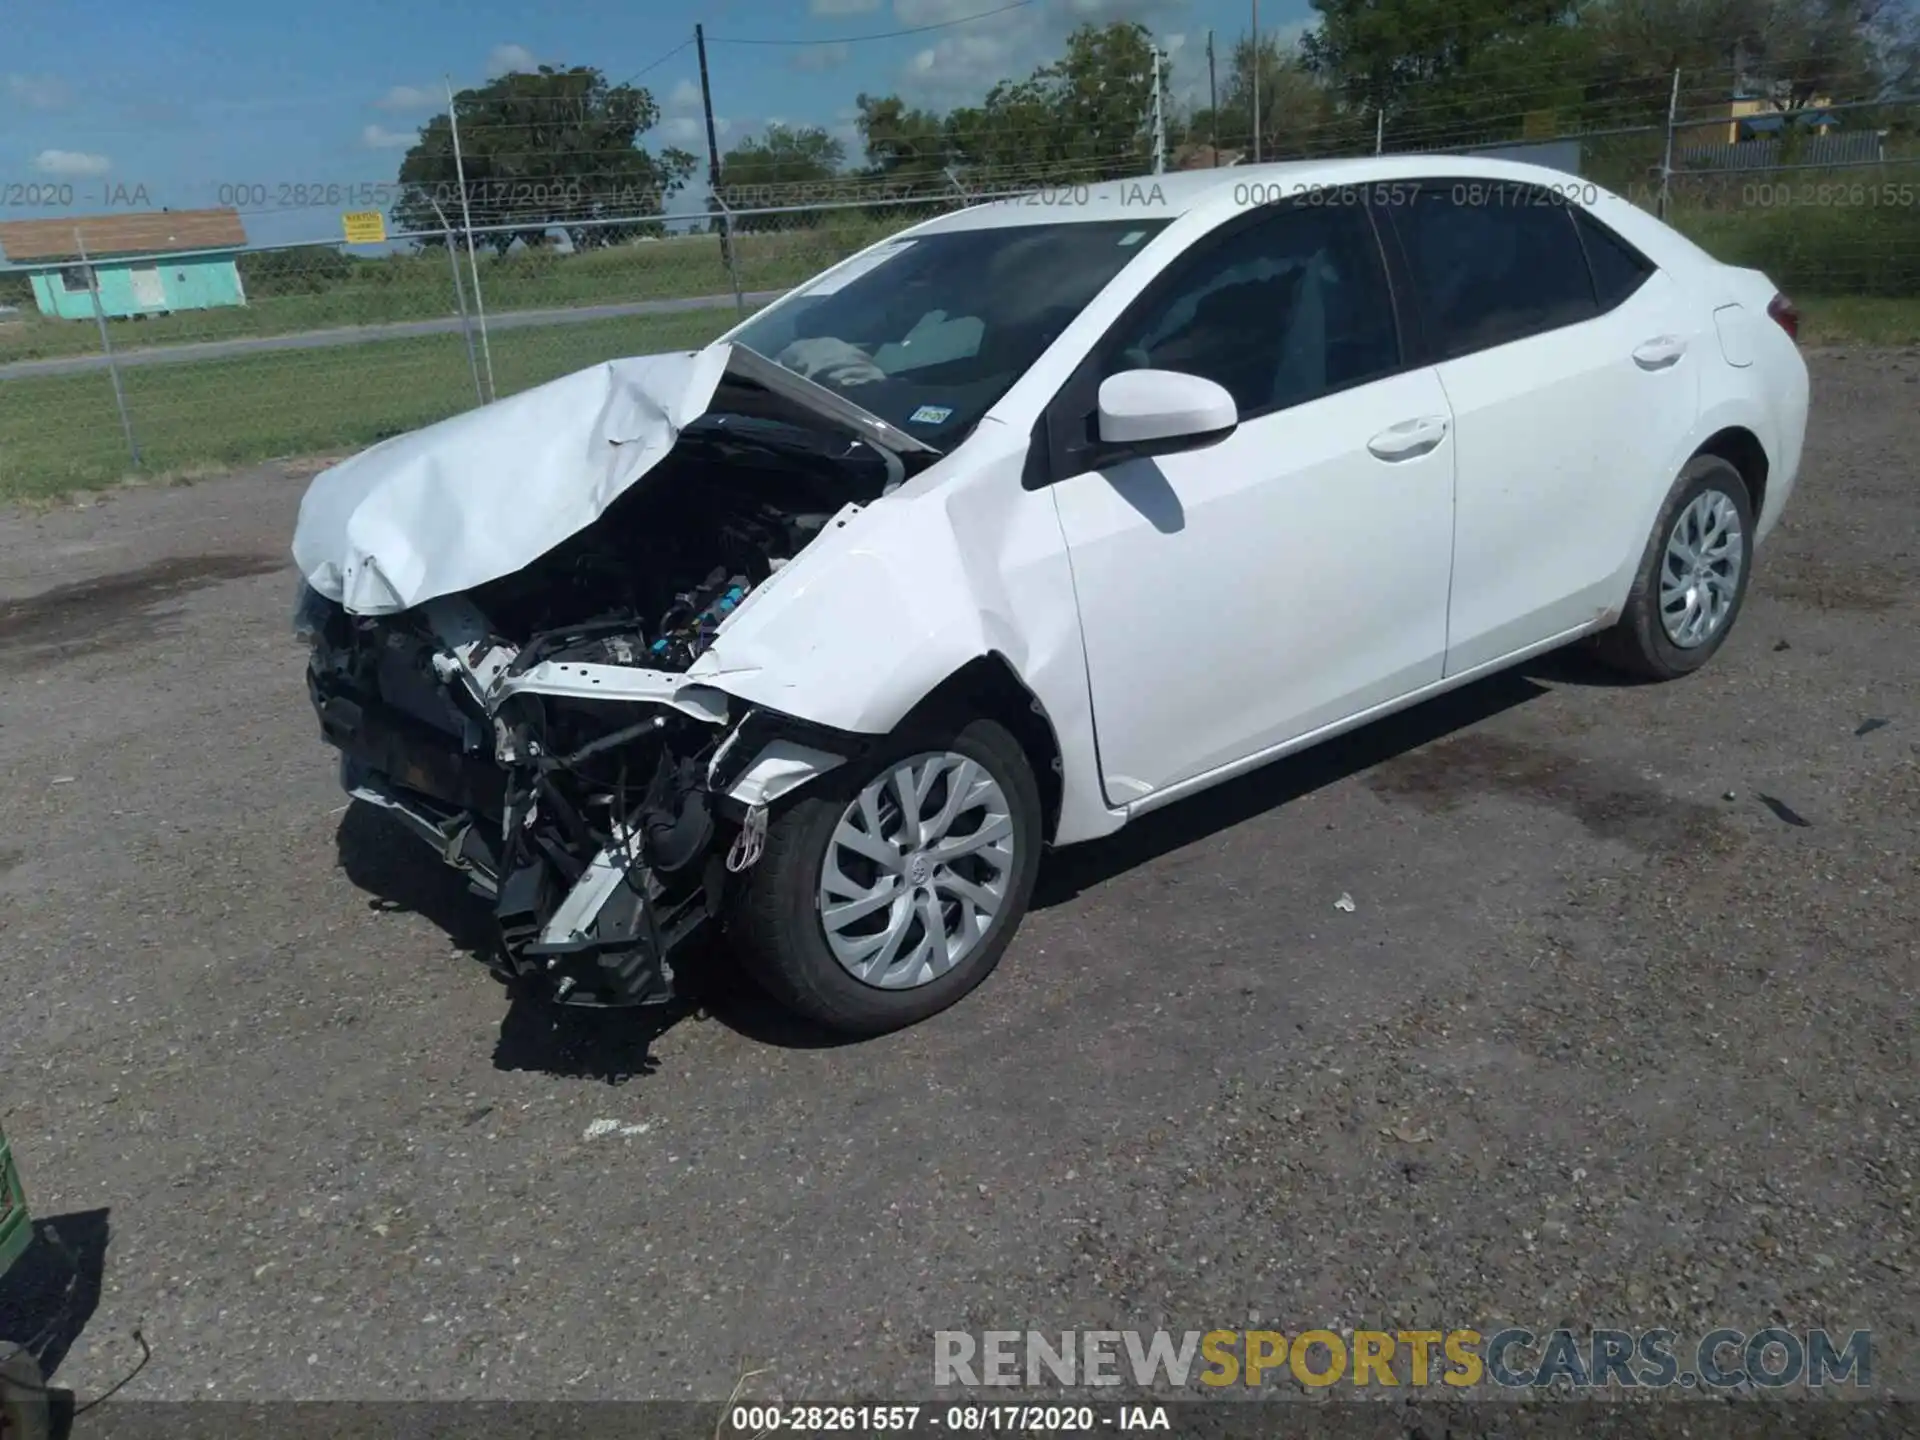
{"x": 656, "y": 64}
{"x": 883, "y": 35}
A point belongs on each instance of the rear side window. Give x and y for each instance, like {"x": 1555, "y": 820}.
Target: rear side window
{"x": 1618, "y": 268}
{"x": 1493, "y": 263}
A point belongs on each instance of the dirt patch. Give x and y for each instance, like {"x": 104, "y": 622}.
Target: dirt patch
{"x": 1610, "y": 804}
{"x": 1825, "y": 585}
{"x": 115, "y": 611}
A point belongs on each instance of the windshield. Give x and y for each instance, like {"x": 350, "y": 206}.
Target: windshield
{"x": 928, "y": 332}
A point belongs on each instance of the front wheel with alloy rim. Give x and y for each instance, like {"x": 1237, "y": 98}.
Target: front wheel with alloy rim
{"x": 891, "y": 887}
{"x": 1692, "y": 577}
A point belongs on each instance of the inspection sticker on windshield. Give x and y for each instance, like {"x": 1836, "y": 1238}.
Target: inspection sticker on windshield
{"x": 930, "y": 415}
{"x": 1132, "y": 237}
{"x": 857, "y": 267}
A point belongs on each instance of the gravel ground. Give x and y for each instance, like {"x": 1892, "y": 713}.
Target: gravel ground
{"x": 1620, "y": 1029}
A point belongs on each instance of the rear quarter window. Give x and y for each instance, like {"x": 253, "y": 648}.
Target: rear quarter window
{"x": 1618, "y": 268}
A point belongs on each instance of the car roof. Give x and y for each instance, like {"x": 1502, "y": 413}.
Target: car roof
{"x": 1180, "y": 192}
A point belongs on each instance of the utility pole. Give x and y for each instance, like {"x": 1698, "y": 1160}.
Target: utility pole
{"x": 1159, "y": 120}
{"x": 1379, "y": 130}
{"x": 713, "y": 149}
{"x": 1255, "y": 38}
{"x": 1213, "y": 104}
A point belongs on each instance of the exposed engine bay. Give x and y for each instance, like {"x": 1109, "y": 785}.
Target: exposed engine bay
{"x": 535, "y": 729}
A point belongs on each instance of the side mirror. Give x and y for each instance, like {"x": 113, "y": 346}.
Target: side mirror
{"x": 1155, "y": 412}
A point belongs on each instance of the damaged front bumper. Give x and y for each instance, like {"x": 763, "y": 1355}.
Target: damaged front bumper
{"x": 599, "y": 807}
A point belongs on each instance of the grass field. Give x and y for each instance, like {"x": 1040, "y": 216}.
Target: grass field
{"x": 420, "y": 287}
{"x": 62, "y": 433}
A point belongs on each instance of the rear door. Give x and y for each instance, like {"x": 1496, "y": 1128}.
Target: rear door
{"x": 1563, "y": 406}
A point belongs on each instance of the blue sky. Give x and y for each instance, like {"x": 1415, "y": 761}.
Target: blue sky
{"x": 138, "y": 103}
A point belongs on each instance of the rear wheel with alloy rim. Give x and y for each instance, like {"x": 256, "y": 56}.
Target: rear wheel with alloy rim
{"x": 1692, "y": 578}
{"x": 892, "y": 886}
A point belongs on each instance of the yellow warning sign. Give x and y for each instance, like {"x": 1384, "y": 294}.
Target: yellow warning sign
{"x": 365, "y": 227}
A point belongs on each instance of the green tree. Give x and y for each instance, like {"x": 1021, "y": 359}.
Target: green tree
{"x": 549, "y": 149}
{"x": 907, "y": 149}
{"x": 1086, "y": 116}
{"x": 1792, "y": 52}
{"x": 1298, "y": 117}
{"x": 786, "y": 166}
{"x": 1452, "y": 72}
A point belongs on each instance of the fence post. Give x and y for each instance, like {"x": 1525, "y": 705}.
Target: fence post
{"x": 1666, "y": 163}
{"x": 731, "y": 254}
{"x": 460, "y": 297}
{"x": 106, "y": 344}
{"x": 1254, "y": 36}
{"x": 1159, "y": 119}
{"x": 466, "y": 217}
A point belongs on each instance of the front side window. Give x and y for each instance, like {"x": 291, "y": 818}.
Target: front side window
{"x": 1493, "y": 262}
{"x": 1280, "y": 312}
{"x": 928, "y": 332}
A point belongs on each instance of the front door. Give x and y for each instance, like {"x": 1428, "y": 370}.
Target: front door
{"x": 149, "y": 290}
{"x": 1243, "y": 594}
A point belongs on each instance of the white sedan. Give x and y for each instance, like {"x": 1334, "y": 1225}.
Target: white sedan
{"x": 1016, "y": 526}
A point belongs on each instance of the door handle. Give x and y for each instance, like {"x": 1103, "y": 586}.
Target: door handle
{"x": 1409, "y": 439}
{"x": 1659, "y": 352}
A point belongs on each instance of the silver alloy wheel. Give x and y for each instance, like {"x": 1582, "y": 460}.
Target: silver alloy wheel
{"x": 916, "y": 870}
{"x": 1700, "y": 573}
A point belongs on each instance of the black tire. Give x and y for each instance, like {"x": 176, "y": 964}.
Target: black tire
{"x": 774, "y": 918}
{"x": 1638, "y": 644}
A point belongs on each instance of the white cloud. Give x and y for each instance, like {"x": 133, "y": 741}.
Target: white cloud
{"x": 685, "y": 96}
{"x": 39, "y": 92}
{"x": 963, "y": 65}
{"x": 504, "y": 58}
{"x": 820, "y": 57}
{"x": 378, "y": 137}
{"x": 941, "y": 12}
{"x": 959, "y": 65}
{"x": 71, "y": 162}
{"x": 843, "y": 7}
{"x": 691, "y": 130}
{"x": 409, "y": 97}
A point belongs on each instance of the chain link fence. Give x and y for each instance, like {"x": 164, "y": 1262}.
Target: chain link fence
{"x": 328, "y": 347}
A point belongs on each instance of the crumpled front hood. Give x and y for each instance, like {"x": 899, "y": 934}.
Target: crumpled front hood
{"x": 482, "y": 494}
{"x": 486, "y": 493}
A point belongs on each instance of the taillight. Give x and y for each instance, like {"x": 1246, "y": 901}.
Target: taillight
{"x": 1785, "y": 315}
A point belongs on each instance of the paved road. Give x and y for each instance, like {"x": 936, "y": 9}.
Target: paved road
{"x": 368, "y": 334}
{"x": 1604, "y": 1039}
